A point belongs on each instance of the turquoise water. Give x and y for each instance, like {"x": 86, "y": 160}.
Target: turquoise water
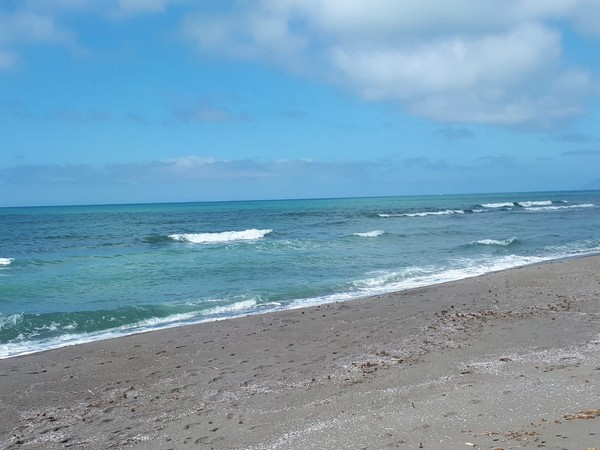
{"x": 80, "y": 273}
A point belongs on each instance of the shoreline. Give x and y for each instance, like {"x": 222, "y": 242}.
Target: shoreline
{"x": 112, "y": 334}
{"x": 495, "y": 360}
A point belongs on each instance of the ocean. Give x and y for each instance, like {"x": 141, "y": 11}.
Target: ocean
{"x": 76, "y": 274}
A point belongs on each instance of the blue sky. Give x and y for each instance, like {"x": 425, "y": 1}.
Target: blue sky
{"x": 125, "y": 101}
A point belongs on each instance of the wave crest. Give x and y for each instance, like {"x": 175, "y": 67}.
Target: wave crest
{"x": 553, "y": 207}
{"x": 445, "y": 212}
{"x": 525, "y": 204}
{"x": 225, "y": 236}
{"x": 498, "y": 242}
{"x": 498, "y": 205}
{"x": 6, "y": 261}
{"x": 535, "y": 203}
{"x": 369, "y": 234}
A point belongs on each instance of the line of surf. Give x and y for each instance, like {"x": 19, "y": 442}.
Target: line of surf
{"x": 376, "y": 284}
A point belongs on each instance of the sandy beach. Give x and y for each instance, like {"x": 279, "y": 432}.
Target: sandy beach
{"x": 502, "y": 361}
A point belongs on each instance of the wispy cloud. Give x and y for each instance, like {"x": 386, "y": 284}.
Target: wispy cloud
{"x": 500, "y": 161}
{"x": 583, "y": 152}
{"x": 454, "y": 134}
{"x": 29, "y": 22}
{"x": 208, "y": 114}
{"x": 425, "y": 163}
{"x": 51, "y": 174}
{"x": 577, "y": 138}
{"x": 65, "y": 114}
{"x": 177, "y": 170}
{"x": 8, "y": 59}
{"x": 137, "y": 118}
{"x": 75, "y": 115}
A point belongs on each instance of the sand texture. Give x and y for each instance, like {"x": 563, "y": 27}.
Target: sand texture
{"x": 502, "y": 361}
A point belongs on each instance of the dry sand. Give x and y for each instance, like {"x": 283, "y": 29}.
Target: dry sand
{"x": 506, "y": 360}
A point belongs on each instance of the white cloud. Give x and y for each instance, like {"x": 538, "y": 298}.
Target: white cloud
{"x": 206, "y": 113}
{"x": 488, "y": 61}
{"x": 495, "y": 61}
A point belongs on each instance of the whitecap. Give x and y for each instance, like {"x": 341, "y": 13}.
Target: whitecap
{"x": 500, "y": 242}
{"x": 225, "y": 236}
{"x": 445, "y": 212}
{"x": 369, "y": 234}
{"x": 497, "y": 205}
{"x": 535, "y": 203}
{"x": 554, "y": 208}
{"x": 6, "y": 261}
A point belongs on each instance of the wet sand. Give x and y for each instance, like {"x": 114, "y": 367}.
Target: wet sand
{"x": 506, "y": 360}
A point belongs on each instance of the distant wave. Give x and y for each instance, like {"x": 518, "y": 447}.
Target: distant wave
{"x": 503, "y": 242}
{"x": 369, "y": 234}
{"x": 444, "y": 212}
{"x": 530, "y": 204}
{"x": 525, "y": 204}
{"x": 553, "y": 207}
{"x": 6, "y": 261}
{"x": 225, "y": 236}
{"x": 498, "y": 205}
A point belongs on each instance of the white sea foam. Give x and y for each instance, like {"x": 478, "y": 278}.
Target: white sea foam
{"x": 502, "y": 242}
{"x": 535, "y": 203}
{"x": 369, "y": 234}
{"x": 6, "y": 261}
{"x": 498, "y": 205}
{"x": 381, "y": 278}
{"x": 416, "y": 277}
{"x": 10, "y": 319}
{"x": 531, "y": 204}
{"x": 444, "y": 212}
{"x": 375, "y": 283}
{"x": 551, "y": 208}
{"x": 26, "y": 345}
{"x": 236, "y": 307}
{"x": 225, "y": 236}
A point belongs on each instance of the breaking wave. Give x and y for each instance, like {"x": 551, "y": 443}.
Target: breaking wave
{"x": 498, "y": 242}
{"x": 225, "y": 236}
{"x": 554, "y": 207}
{"x": 445, "y": 212}
{"x": 6, "y": 261}
{"x": 524, "y": 204}
{"x": 370, "y": 234}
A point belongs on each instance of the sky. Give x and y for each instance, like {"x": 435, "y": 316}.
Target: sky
{"x": 127, "y": 101}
